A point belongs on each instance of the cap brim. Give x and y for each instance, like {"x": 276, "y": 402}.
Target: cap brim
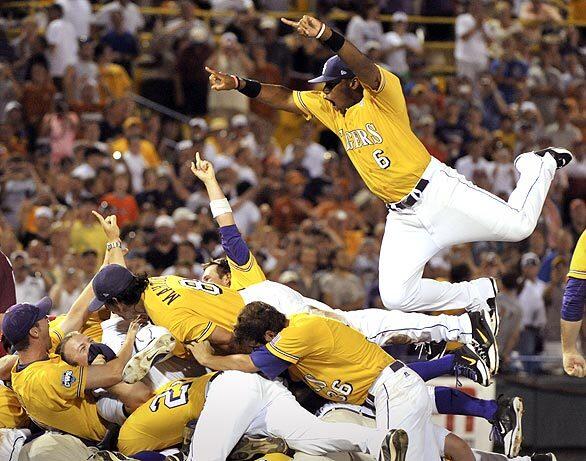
{"x": 44, "y": 305}
{"x": 322, "y": 79}
{"x": 95, "y": 305}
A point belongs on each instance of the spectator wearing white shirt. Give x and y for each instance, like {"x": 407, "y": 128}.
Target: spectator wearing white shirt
{"x": 314, "y": 153}
{"x": 561, "y": 132}
{"x": 504, "y": 174}
{"x": 398, "y": 42}
{"x": 365, "y": 26}
{"x": 135, "y": 162}
{"x": 29, "y": 288}
{"x": 62, "y": 42}
{"x": 132, "y": 17}
{"x": 64, "y": 293}
{"x": 474, "y": 161}
{"x": 534, "y": 317}
{"x": 246, "y": 213}
{"x": 78, "y": 13}
{"x": 471, "y": 50}
{"x": 184, "y": 220}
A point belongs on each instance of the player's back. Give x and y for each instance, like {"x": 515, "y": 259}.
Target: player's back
{"x": 335, "y": 360}
{"x": 191, "y": 309}
{"x": 159, "y": 423}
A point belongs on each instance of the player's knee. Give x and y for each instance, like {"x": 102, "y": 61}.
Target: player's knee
{"x": 457, "y": 450}
{"x": 392, "y": 297}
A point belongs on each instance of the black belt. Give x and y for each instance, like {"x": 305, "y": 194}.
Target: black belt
{"x": 369, "y": 402}
{"x": 411, "y": 199}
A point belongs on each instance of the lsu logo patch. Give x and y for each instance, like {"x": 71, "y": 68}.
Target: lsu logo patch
{"x": 68, "y": 379}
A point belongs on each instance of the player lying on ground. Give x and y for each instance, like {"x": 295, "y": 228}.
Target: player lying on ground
{"x": 378, "y": 325}
{"x": 573, "y": 311}
{"x": 231, "y": 404}
{"x": 52, "y": 391}
{"x": 431, "y": 206}
{"x": 340, "y": 365}
{"x": 335, "y": 412}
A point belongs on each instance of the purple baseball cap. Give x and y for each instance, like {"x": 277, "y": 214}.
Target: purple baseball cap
{"x": 20, "y": 318}
{"x": 334, "y": 69}
{"x": 110, "y": 282}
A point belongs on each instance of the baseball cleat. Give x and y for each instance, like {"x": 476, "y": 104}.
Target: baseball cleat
{"x": 469, "y": 364}
{"x": 105, "y": 455}
{"x": 543, "y": 457}
{"x": 176, "y": 457}
{"x": 483, "y": 340}
{"x": 436, "y": 350}
{"x": 507, "y": 424}
{"x": 249, "y": 448}
{"x": 394, "y": 446}
{"x": 495, "y": 320}
{"x": 561, "y": 156}
{"x": 155, "y": 344}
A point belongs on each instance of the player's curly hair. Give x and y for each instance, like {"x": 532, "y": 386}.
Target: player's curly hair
{"x": 132, "y": 294}
{"x": 255, "y": 320}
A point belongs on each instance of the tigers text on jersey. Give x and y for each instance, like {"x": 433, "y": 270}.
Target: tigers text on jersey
{"x": 336, "y": 361}
{"x": 377, "y": 136}
{"x": 159, "y": 423}
{"x": 191, "y": 309}
{"x": 578, "y": 264}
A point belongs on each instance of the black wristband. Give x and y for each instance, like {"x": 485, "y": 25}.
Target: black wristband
{"x": 335, "y": 42}
{"x": 251, "y": 87}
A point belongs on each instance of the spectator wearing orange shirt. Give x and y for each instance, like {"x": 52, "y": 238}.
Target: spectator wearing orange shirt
{"x": 123, "y": 203}
{"x": 38, "y": 93}
{"x": 291, "y": 208}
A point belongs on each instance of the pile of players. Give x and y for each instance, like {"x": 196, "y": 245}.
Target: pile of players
{"x": 121, "y": 372}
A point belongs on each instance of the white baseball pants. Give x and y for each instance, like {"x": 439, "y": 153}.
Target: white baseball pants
{"x": 452, "y": 210}
{"x": 378, "y": 325}
{"x": 243, "y": 403}
{"x": 401, "y": 400}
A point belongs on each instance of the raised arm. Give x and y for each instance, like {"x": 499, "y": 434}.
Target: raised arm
{"x": 277, "y": 96}
{"x": 362, "y": 66}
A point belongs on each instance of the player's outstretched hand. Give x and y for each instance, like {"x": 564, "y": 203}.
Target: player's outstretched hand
{"x": 134, "y": 327}
{"x": 220, "y": 81}
{"x": 109, "y": 225}
{"x": 202, "y": 169}
{"x": 307, "y": 26}
{"x": 201, "y": 351}
{"x": 574, "y": 364}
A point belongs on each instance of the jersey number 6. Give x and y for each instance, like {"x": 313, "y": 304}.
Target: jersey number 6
{"x": 381, "y": 159}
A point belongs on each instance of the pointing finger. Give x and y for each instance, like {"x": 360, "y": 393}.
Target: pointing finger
{"x": 289, "y": 22}
{"x": 98, "y": 215}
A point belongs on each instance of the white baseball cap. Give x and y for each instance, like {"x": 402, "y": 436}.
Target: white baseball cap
{"x": 528, "y": 106}
{"x": 288, "y": 277}
{"x": 199, "y": 123}
{"x": 400, "y": 16}
{"x": 164, "y": 221}
{"x": 184, "y": 145}
{"x": 44, "y": 212}
{"x": 183, "y": 214}
{"x": 529, "y": 259}
{"x": 267, "y": 22}
{"x": 239, "y": 120}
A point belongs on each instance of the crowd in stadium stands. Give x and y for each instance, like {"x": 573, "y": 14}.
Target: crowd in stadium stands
{"x": 73, "y": 139}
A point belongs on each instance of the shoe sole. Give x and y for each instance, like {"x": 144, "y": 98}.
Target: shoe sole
{"x": 395, "y": 446}
{"x": 249, "y": 448}
{"x": 496, "y": 320}
{"x": 157, "y": 351}
{"x": 514, "y": 439}
{"x": 492, "y": 351}
{"x": 557, "y": 150}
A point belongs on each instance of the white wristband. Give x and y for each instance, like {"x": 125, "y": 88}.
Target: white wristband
{"x": 220, "y": 206}
{"x": 322, "y": 29}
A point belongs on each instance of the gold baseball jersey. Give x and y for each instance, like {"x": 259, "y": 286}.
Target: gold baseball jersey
{"x": 248, "y": 274}
{"x": 578, "y": 264}
{"x": 12, "y": 414}
{"x": 159, "y": 423}
{"x": 191, "y": 309}
{"x": 53, "y": 394}
{"x": 377, "y": 136}
{"x": 336, "y": 361}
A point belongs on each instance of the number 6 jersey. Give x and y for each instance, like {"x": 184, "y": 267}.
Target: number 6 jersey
{"x": 376, "y": 135}
{"x": 334, "y": 360}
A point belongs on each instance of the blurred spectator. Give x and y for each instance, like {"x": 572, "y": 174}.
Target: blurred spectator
{"x": 162, "y": 252}
{"x": 278, "y": 53}
{"x": 123, "y": 204}
{"x": 62, "y": 40}
{"x": 123, "y": 43}
{"x": 64, "y": 293}
{"x": 510, "y": 71}
{"x": 398, "y": 43}
{"x": 365, "y": 26}
{"x": 534, "y": 316}
{"x": 229, "y": 57}
{"x": 114, "y": 81}
{"x": 502, "y": 27}
{"x": 536, "y": 15}
{"x": 30, "y": 286}
{"x": 132, "y": 17}
{"x": 184, "y": 220}
{"x": 37, "y": 94}
{"x": 61, "y": 128}
{"x": 504, "y": 174}
{"x": 79, "y": 14}
{"x": 553, "y": 296}
{"x": 86, "y": 232}
{"x": 474, "y": 161}
{"x": 471, "y": 50}
{"x": 341, "y": 288}
{"x": 133, "y": 129}
{"x": 562, "y": 132}
{"x": 510, "y": 313}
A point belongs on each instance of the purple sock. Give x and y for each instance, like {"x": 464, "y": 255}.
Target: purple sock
{"x": 455, "y": 402}
{"x": 149, "y": 456}
{"x": 434, "y": 368}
